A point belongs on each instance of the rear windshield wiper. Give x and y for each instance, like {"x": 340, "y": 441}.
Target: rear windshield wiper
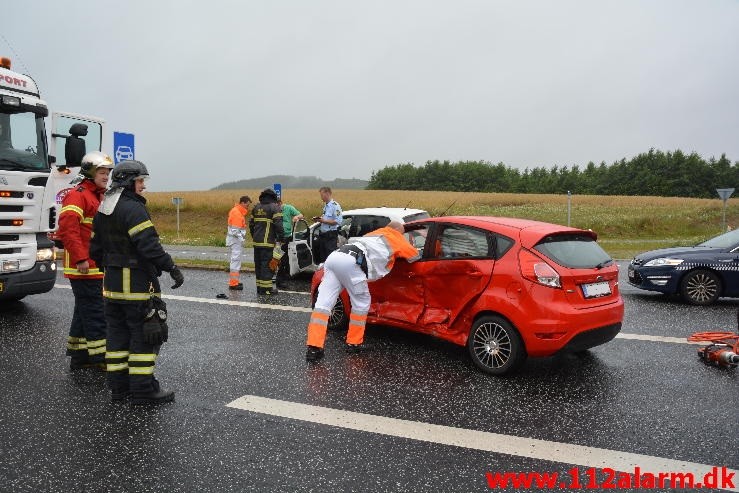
{"x": 603, "y": 264}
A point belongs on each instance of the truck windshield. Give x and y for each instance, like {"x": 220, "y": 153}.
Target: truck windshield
{"x": 22, "y": 142}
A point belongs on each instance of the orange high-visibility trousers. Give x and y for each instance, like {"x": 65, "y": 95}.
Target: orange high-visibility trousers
{"x": 340, "y": 271}
{"x": 357, "y": 323}
{"x": 317, "y": 328}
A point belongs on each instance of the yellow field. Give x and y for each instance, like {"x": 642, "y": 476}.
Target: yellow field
{"x": 624, "y": 224}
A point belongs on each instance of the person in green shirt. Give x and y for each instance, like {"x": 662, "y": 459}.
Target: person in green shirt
{"x": 290, "y": 215}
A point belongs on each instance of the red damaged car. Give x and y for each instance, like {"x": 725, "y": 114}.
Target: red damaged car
{"x": 506, "y": 288}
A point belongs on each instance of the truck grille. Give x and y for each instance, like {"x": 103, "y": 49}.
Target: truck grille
{"x": 9, "y": 237}
{"x": 11, "y": 208}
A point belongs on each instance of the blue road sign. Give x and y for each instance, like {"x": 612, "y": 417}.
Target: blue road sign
{"x": 123, "y": 147}
{"x": 278, "y": 190}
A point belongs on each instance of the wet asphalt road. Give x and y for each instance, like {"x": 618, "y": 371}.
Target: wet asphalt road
{"x": 60, "y": 432}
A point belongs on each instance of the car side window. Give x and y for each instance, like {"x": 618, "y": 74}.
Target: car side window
{"x": 459, "y": 241}
{"x": 502, "y": 245}
{"x": 416, "y": 236}
{"x": 346, "y": 227}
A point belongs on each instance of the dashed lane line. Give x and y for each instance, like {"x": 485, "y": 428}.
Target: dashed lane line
{"x": 474, "y": 439}
{"x": 620, "y": 335}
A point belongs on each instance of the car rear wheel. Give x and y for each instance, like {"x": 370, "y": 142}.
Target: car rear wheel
{"x": 338, "y": 319}
{"x": 495, "y": 346}
{"x": 700, "y": 287}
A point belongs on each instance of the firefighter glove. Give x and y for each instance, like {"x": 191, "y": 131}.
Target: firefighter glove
{"x": 155, "y": 329}
{"x": 177, "y": 277}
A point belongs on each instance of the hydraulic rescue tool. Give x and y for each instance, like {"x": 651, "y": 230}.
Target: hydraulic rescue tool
{"x": 723, "y": 350}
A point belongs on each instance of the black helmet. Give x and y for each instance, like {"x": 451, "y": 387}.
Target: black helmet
{"x": 126, "y": 172}
{"x": 268, "y": 193}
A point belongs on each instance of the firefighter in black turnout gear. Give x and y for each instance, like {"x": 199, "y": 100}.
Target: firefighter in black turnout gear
{"x": 126, "y": 245}
{"x": 265, "y": 226}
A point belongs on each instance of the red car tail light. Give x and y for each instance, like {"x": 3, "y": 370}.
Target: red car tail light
{"x": 537, "y": 270}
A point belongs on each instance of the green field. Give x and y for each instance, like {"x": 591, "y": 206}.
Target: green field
{"x": 625, "y": 225}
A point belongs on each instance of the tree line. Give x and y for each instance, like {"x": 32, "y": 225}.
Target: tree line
{"x": 657, "y": 173}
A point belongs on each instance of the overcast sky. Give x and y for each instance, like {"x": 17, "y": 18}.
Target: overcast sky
{"x": 218, "y": 91}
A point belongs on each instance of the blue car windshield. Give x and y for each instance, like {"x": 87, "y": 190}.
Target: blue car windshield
{"x": 726, "y": 240}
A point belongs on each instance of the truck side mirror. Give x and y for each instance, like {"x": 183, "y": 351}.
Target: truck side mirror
{"x": 74, "y": 146}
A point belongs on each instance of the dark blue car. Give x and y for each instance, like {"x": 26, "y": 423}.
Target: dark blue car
{"x": 700, "y": 274}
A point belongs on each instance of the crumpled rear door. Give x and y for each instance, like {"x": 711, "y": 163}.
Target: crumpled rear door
{"x": 399, "y": 295}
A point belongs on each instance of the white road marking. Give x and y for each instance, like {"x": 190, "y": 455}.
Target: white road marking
{"x": 620, "y": 335}
{"x": 238, "y": 303}
{"x": 473, "y": 439}
{"x": 644, "y": 337}
{"x": 223, "y": 302}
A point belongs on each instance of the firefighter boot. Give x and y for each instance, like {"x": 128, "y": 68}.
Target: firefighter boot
{"x": 119, "y": 395}
{"x": 313, "y": 353}
{"x": 159, "y": 396}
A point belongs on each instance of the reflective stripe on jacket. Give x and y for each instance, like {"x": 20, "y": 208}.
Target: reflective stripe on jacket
{"x": 126, "y": 244}
{"x": 75, "y": 228}
{"x": 265, "y": 224}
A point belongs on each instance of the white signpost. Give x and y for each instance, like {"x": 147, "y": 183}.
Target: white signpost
{"x": 177, "y": 201}
{"x": 724, "y": 193}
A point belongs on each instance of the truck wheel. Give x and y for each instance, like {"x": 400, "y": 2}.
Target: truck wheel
{"x": 495, "y": 345}
{"x": 11, "y": 299}
{"x": 700, "y": 287}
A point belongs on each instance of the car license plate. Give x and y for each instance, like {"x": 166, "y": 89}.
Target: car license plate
{"x": 593, "y": 290}
{"x": 631, "y": 272}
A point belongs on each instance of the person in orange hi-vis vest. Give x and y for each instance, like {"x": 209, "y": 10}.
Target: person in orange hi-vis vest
{"x": 87, "y": 333}
{"x": 351, "y": 267}
{"x": 235, "y": 237}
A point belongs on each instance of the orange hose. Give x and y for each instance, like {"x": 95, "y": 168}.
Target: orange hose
{"x": 729, "y": 338}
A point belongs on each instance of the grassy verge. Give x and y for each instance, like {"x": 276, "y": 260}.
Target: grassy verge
{"x": 625, "y": 225}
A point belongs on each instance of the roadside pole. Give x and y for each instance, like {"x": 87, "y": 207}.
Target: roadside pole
{"x": 724, "y": 193}
{"x": 177, "y": 201}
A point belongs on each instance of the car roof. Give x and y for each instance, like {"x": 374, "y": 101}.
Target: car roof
{"x": 394, "y": 213}
{"x": 530, "y": 232}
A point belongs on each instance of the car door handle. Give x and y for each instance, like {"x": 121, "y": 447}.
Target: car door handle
{"x": 475, "y": 273}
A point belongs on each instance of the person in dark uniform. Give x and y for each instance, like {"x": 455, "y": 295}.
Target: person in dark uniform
{"x": 127, "y": 247}
{"x": 265, "y": 226}
{"x": 328, "y": 233}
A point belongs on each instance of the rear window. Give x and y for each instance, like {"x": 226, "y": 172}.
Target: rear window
{"x": 574, "y": 251}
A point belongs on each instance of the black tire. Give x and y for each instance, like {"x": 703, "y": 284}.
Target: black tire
{"x": 339, "y": 318}
{"x": 700, "y": 287}
{"x": 495, "y": 346}
{"x": 8, "y": 303}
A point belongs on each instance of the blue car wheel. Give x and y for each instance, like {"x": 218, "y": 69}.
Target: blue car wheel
{"x": 700, "y": 287}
